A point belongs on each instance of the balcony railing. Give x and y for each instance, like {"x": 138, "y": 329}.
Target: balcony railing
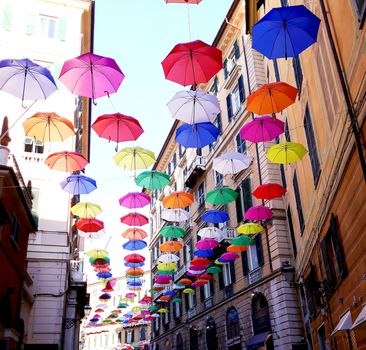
{"x": 208, "y": 303}
{"x": 181, "y": 271}
{"x": 228, "y": 233}
{"x": 196, "y": 168}
{"x": 229, "y": 291}
{"x": 76, "y": 271}
{"x": 191, "y": 312}
{"x": 255, "y": 275}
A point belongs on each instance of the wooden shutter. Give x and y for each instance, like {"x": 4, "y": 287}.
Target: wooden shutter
{"x": 259, "y": 247}
{"x": 212, "y": 287}
{"x": 236, "y": 50}
{"x": 221, "y": 280}
{"x": 241, "y": 89}
{"x": 298, "y": 203}
{"x": 326, "y": 261}
{"x": 296, "y": 64}
{"x": 247, "y": 192}
{"x": 229, "y": 107}
{"x": 202, "y": 294}
{"x": 276, "y": 70}
{"x": 61, "y": 34}
{"x": 232, "y": 272}
{"x": 338, "y": 247}
{"x": 244, "y": 262}
{"x": 239, "y": 208}
{"x": 7, "y": 17}
{"x": 218, "y": 122}
{"x": 226, "y": 71}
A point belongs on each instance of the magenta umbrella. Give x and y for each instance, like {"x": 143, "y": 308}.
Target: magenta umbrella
{"x": 163, "y": 279}
{"x": 258, "y": 213}
{"x": 207, "y": 243}
{"x": 92, "y": 76}
{"x": 261, "y": 129}
{"x": 134, "y": 219}
{"x": 229, "y": 256}
{"x": 134, "y": 200}
{"x": 197, "y": 267}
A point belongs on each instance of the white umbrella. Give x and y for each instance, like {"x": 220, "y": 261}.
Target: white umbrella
{"x": 231, "y": 163}
{"x": 175, "y": 215}
{"x": 210, "y": 232}
{"x": 167, "y": 258}
{"x": 194, "y": 106}
{"x": 91, "y": 235}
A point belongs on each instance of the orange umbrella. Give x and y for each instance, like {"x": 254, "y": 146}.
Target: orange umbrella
{"x": 134, "y": 271}
{"x": 271, "y": 98}
{"x": 66, "y": 161}
{"x": 236, "y": 248}
{"x": 134, "y": 234}
{"x": 185, "y": 281}
{"x": 178, "y": 200}
{"x": 171, "y": 246}
{"x": 201, "y": 282}
{"x": 157, "y": 288}
{"x": 165, "y": 298}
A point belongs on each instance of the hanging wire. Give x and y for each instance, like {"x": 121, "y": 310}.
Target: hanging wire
{"x": 189, "y": 23}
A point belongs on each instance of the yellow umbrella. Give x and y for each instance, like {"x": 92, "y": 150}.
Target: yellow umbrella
{"x": 167, "y": 266}
{"x": 188, "y": 291}
{"x": 136, "y": 309}
{"x": 163, "y": 311}
{"x": 97, "y": 253}
{"x": 134, "y": 158}
{"x": 86, "y": 210}
{"x": 219, "y": 262}
{"x": 249, "y": 228}
{"x": 286, "y": 153}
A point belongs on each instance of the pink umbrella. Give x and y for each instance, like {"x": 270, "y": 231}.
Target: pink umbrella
{"x": 134, "y": 200}
{"x": 161, "y": 279}
{"x": 90, "y": 75}
{"x": 264, "y": 128}
{"x": 197, "y": 267}
{"x": 207, "y": 243}
{"x": 134, "y": 219}
{"x": 194, "y": 273}
{"x": 130, "y": 295}
{"x": 258, "y": 213}
{"x": 229, "y": 256}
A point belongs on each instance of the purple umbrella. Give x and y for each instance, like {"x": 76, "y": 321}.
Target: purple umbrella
{"x": 229, "y": 256}
{"x": 207, "y": 243}
{"x": 258, "y": 213}
{"x": 134, "y": 200}
{"x": 134, "y": 245}
{"x": 261, "y": 129}
{"x": 78, "y": 184}
{"x": 198, "y": 267}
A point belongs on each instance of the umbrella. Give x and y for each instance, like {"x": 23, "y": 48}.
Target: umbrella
{"x": 164, "y": 273}
{"x": 134, "y": 234}
{"x": 163, "y": 279}
{"x": 197, "y": 267}
{"x": 200, "y": 283}
{"x": 135, "y": 200}
{"x": 104, "y": 275}
{"x": 168, "y": 258}
{"x": 188, "y": 291}
{"x": 134, "y": 245}
{"x": 130, "y": 295}
{"x": 175, "y": 215}
{"x": 66, "y": 161}
{"x": 185, "y": 281}
{"x": 203, "y": 253}
{"x": 97, "y": 253}
{"x": 171, "y": 247}
{"x": 207, "y": 243}
{"x": 48, "y": 127}
{"x": 250, "y": 228}
{"x": 134, "y": 158}
{"x": 221, "y": 195}
{"x": 92, "y": 235}
{"x": 214, "y": 269}
{"x": 214, "y": 217}
{"x": 105, "y": 296}
{"x": 285, "y": 32}
{"x": 242, "y": 241}
{"x": 92, "y": 76}
{"x": 206, "y": 276}
{"x": 26, "y": 80}
{"x": 153, "y": 308}
{"x": 131, "y": 264}
{"x": 99, "y": 310}
{"x": 134, "y": 219}
{"x": 258, "y": 213}
{"x": 154, "y": 180}
{"x": 269, "y": 191}
{"x": 170, "y": 293}
{"x": 178, "y": 200}
{"x": 183, "y": 1}
{"x": 89, "y": 225}
{"x": 166, "y": 267}
{"x": 86, "y": 210}
{"x": 231, "y": 163}
{"x": 172, "y": 232}
{"x": 134, "y": 271}
{"x": 199, "y": 262}
{"x": 261, "y": 129}
{"x": 286, "y": 153}
{"x": 136, "y": 258}
{"x": 192, "y": 63}
{"x": 229, "y": 256}
{"x": 194, "y": 106}
{"x": 78, "y": 184}
{"x": 117, "y": 127}
{"x": 210, "y": 232}
{"x": 197, "y": 135}
{"x": 177, "y": 300}
{"x": 271, "y": 98}
{"x": 155, "y": 315}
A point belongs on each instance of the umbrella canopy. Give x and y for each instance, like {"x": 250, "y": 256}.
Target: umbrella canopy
{"x": 166, "y": 266}
{"x": 134, "y": 234}
{"x": 258, "y": 213}
{"x": 214, "y": 270}
{"x": 86, "y": 210}
{"x": 171, "y": 246}
{"x": 134, "y": 245}
{"x": 128, "y": 264}
{"x": 261, "y": 129}
{"x": 269, "y": 191}
{"x": 104, "y": 275}
{"x": 134, "y": 271}
{"x": 135, "y": 200}
{"x": 231, "y": 163}
{"x": 197, "y": 135}
{"x": 200, "y": 282}
{"x": 170, "y": 293}
{"x": 229, "y": 256}
{"x": 214, "y": 217}
{"x": 26, "y": 80}
{"x": 178, "y": 199}
{"x": 89, "y": 225}
{"x": 175, "y": 215}
{"x": 48, "y": 127}
{"x": 117, "y": 127}
{"x": 197, "y": 267}
{"x": 286, "y": 153}
{"x": 242, "y": 241}
{"x": 250, "y": 228}
{"x": 153, "y": 308}
{"x": 78, "y": 184}
{"x": 134, "y": 158}
{"x": 130, "y": 295}
{"x": 168, "y": 257}
{"x": 66, "y": 161}
{"x": 92, "y": 235}
{"x": 154, "y": 180}
{"x": 185, "y": 281}
{"x": 97, "y": 253}
{"x": 221, "y": 195}
{"x": 135, "y": 258}
{"x": 285, "y": 32}
{"x": 188, "y": 291}
{"x": 192, "y": 63}
{"x": 177, "y": 300}
{"x": 206, "y": 276}
{"x": 207, "y": 243}
{"x": 134, "y": 219}
{"x": 194, "y": 106}
{"x": 199, "y": 262}
{"x": 203, "y": 253}
{"x": 210, "y": 232}
{"x": 172, "y": 232}
{"x": 271, "y": 98}
{"x": 91, "y": 75}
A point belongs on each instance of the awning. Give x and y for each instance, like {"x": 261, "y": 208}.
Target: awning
{"x": 344, "y": 324}
{"x": 257, "y": 340}
{"x": 360, "y": 322}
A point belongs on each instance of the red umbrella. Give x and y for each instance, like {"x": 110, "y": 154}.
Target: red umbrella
{"x": 66, "y": 161}
{"x": 89, "y": 225}
{"x": 192, "y": 63}
{"x": 134, "y": 219}
{"x": 206, "y": 276}
{"x": 269, "y": 191}
{"x": 134, "y": 258}
{"x": 200, "y": 261}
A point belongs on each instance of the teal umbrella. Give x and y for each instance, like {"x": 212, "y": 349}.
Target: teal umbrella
{"x": 152, "y": 179}
{"x": 242, "y": 241}
{"x": 221, "y": 195}
{"x": 172, "y": 231}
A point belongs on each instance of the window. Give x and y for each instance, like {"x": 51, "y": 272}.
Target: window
{"x": 180, "y": 345}
{"x": 174, "y": 162}
{"x": 232, "y": 323}
{"x": 236, "y": 50}
{"x": 188, "y": 251}
{"x": 39, "y": 147}
{"x": 143, "y": 333}
{"x": 333, "y": 255}
{"x": 169, "y": 169}
{"x": 199, "y": 151}
{"x": 208, "y": 289}
{"x": 177, "y": 310}
{"x": 35, "y": 204}
{"x": 284, "y": 3}
{"x": 129, "y": 337}
{"x": 47, "y": 26}
{"x": 253, "y": 257}
{"x": 241, "y": 144}
{"x": 215, "y": 87}
{"x": 241, "y": 89}
{"x": 244, "y": 199}
{"x": 181, "y": 151}
{"x": 296, "y": 64}
{"x": 4, "y": 215}
{"x": 276, "y": 70}
{"x": 226, "y": 68}
{"x": 228, "y": 273}
{"x": 218, "y": 123}
{"x": 7, "y": 18}
{"x": 211, "y": 334}
{"x": 28, "y": 144}
{"x": 310, "y": 138}
{"x": 260, "y": 314}
{"x": 201, "y": 194}
{"x": 298, "y": 203}
{"x": 14, "y": 228}
{"x": 291, "y": 230}
{"x": 218, "y": 178}
{"x": 229, "y": 107}
{"x": 360, "y": 8}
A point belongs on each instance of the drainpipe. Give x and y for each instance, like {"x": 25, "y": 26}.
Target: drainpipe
{"x": 351, "y": 113}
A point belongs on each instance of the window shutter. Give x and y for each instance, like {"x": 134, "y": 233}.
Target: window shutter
{"x": 296, "y": 64}
{"x": 309, "y": 298}
{"x": 258, "y": 245}
{"x": 232, "y": 272}
{"x": 239, "y": 209}
{"x": 7, "y": 17}
{"x": 221, "y": 280}
{"x": 226, "y": 71}
{"x": 338, "y": 247}
{"x": 218, "y": 122}
{"x": 328, "y": 271}
{"x": 248, "y": 202}
{"x": 229, "y": 107}
{"x": 202, "y": 294}
{"x": 31, "y": 27}
{"x": 241, "y": 89}
{"x": 236, "y": 49}
{"x": 212, "y": 287}
{"x": 300, "y": 213}
{"x": 186, "y": 302}
{"x": 185, "y": 253}
{"x": 276, "y": 70}
{"x": 132, "y": 336}
{"x": 61, "y": 29}
{"x": 244, "y": 263}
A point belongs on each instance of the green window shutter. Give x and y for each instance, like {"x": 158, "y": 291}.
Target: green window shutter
{"x": 61, "y": 28}
{"x": 31, "y": 25}
{"x": 247, "y": 194}
{"x": 7, "y": 16}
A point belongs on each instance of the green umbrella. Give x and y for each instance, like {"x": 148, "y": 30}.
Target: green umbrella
{"x": 177, "y": 300}
{"x": 153, "y": 308}
{"x": 122, "y": 305}
{"x": 172, "y": 232}
{"x": 168, "y": 272}
{"x": 242, "y": 240}
{"x": 106, "y": 321}
{"x": 214, "y": 269}
{"x": 221, "y": 195}
{"x": 152, "y": 179}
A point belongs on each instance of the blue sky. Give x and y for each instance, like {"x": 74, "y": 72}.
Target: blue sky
{"x": 138, "y": 34}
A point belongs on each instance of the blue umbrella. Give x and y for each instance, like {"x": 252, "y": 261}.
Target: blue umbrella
{"x": 134, "y": 283}
{"x": 104, "y": 275}
{"x": 78, "y": 184}
{"x": 131, "y": 264}
{"x": 170, "y": 293}
{"x": 197, "y": 135}
{"x": 285, "y": 32}
{"x": 134, "y": 245}
{"x": 203, "y": 253}
{"x": 215, "y": 216}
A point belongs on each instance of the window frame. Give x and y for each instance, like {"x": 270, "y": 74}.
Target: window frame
{"x": 201, "y": 196}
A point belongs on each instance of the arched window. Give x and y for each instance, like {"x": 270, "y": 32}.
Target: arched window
{"x": 179, "y": 342}
{"x": 211, "y": 334}
{"x": 260, "y": 314}
{"x": 193, "y": 338}
{"x": 143, "y": 334}
{"x": 232, "y": 323}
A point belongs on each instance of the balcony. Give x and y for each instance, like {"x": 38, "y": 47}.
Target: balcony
{"x": 181, "y": 271}
{"x": 229, "y": 291}
{"x": 77, "y": 275}
{"x": 207, "y": 303}
{"x": 255, "y": 275}
{"x": 191, "y": 312}
{"x": 228, "y": 233}
{"x": 196, "y": 169}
